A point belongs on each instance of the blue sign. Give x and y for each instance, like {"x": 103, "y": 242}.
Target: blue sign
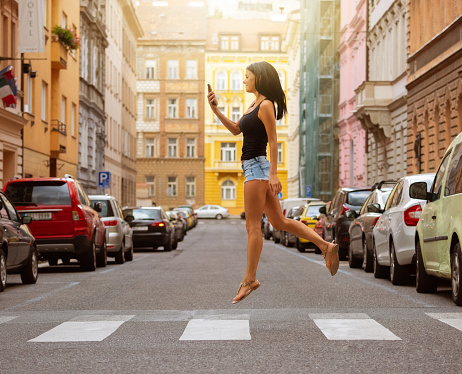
{"x": 104, "y": 179}
{"x": 308, "y": 190}
{"x": 280, "y": 195}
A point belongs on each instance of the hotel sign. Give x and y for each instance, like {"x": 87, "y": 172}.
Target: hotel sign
{"x": 31, "y": 18}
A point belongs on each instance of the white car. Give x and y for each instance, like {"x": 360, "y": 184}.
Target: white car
{"x": 118, "y": 232}
{"x": 393, "y": 236}
{"x": 212, "y": 211}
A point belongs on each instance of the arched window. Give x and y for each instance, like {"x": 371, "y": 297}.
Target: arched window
{"x": 221, "y": 81}
{"x": 228, "y": 190}
{"x": 236, "y": 81}
{"x": 282, "y": 78}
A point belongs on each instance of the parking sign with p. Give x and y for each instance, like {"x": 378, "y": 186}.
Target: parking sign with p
{"x": 104, "y": 179}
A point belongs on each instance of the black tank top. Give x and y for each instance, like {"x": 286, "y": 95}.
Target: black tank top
{"x": 255, "y": 137}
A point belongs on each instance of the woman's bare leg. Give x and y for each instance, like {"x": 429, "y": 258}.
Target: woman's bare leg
{"x": 254, "y": 201}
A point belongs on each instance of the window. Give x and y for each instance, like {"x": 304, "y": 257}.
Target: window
{"x": 221, "y": 81}
{"x": 280, "y": 159}
{"x": 151, "y": 185}
{"x": 269, "y": 43}
{"x": 454, "y": 179}
{"x": 224, "y": 43}
{"x": 44, "y": 101}
{"x": 436, "y": 188}
{"x": 191, "y": 108}
{"x": 63, "y": 109}
{"x": 222, "y": 110}
{"x": 228, "y": 190}
{"x": 191, "y": 69}
{"x": 172, "y": 69}
{"x": 235, "y": 43}
{"x": 172, "y": 110}
{"x": 236, "y": 81}
{"x": 150, "y": 69}
{"x": 228, "y": 151}
{"x": 150, "y": 108}
{"x": 190, "y": 186}
{"x": 172, "y": 147}
{"x": 30, "y": 93}
{"x": 171, "y": 186}
{"x": 190, "y": 147}
{"x": 235, "y": 113}
{"x": 73, "y": 108}
{"x": 149, "y": 142}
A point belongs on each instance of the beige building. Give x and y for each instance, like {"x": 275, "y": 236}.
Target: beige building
{"x": 170, "y": 104}
{"x": 122, "y": 29}
{"x": 11, "y": 120}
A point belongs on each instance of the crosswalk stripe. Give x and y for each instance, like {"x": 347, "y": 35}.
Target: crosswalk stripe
{"x": 7, "y": 318}
{"x": 451, "y": 319}
{"x": 207, "y": 329}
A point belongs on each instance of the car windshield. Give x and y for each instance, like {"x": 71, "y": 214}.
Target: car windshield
{"x": 148, "y": 214}
{"x": 39, "y": 193}
{"x": 313, "y": 211}
{"x": 358, "y": 197}
{"x": 106, "y": 208}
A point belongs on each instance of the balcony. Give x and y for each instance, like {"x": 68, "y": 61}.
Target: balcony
{"x": 58, "y": 138}
{"x": 58, "y": 55}
{"x": 228, "y": 165}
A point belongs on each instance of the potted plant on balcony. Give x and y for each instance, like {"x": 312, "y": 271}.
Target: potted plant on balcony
{"x": 68, "y": 38}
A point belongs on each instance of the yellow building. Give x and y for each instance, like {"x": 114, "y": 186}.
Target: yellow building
{"x": 52, "y": 99}
{"x": 228, "y": 53}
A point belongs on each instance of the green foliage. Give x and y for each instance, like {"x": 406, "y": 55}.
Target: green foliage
{"x": 67, "y": 37}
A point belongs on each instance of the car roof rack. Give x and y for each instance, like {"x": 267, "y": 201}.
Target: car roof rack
{"x": 378, "y": 185}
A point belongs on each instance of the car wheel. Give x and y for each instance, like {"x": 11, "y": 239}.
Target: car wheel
{"x": 88, "y": 259}
{"x": 168, "y": 245}
{"x": 317, "y": 250}
{"x": 456, "y": 279}
{"x": 398, "y": 274}
{"x": 218, "y": 216}
{"x": 101, "y": 259}
{"x": 368, "y": 264}
{"x": 119, "y": 256}
{"x": 2, "y": 270}
{"x": 129, "y": 254}
{"x": 300, "y": 246}
{"x": 175, "y": 243}
{"x": 266, "y": 234}
{"x": 379, "y": 270}
{"x": 423, "y": 283}
{"x": 276, "y": 240}
{"x": 353, "y": 262}
{"x": 29, "y": 274}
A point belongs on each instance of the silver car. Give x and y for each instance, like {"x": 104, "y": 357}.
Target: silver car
{"x": 118, "y": 232}
{"x": 212, "y": 211}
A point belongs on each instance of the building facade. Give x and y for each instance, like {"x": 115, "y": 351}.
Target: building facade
{"x": 382, "y": 98}
{"x": 352, "y": 55}
{"x": 11, "y": 121}
{"x": 123, "y": 29}
{"x": 434, "y": 82}
{"x": 170, "y": 104}
{"x": 229, "y": 52}
{"x": 93, "y": 43}
{"x": 51, "y": 137}
{"x": 319, "y": 98}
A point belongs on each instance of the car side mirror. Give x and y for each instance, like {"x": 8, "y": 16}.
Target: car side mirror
{"x": 374, "y": 208}
{"x": 26, "y": 219}
{"x": 129, "y": 218}
{"x": 322, "y": 210}
{"x": 418, "y": 190}
{"x": 351, "y": 214}
{"x": 98, "y": 207}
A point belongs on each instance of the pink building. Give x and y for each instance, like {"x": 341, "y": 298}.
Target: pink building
{"x": 352, "y": 50}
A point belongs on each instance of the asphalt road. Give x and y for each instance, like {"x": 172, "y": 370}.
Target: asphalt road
{"x": 171, "y": 312}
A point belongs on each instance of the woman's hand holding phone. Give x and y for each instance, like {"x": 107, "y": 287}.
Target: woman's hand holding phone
{"x": 211, "y": 97}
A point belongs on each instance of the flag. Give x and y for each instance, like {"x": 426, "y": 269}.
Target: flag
{"x": 8, "y": 87}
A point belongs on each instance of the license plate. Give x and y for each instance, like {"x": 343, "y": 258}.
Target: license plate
{"x": 140, "y": 228}
{"x": 42, "y": 216}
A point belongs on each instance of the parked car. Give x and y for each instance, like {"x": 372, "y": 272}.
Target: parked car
{"x": 183, "y": 218}
{"x": 337, "y": 224}
{"x": 360, "y": 250}
{"x": 394, "y": 233}
{"x": 310, "y": 216}
{"x": 151, "y": 228}
{"x": 319, "y": 226}
{"x": 118, "y": 232}
{"x": 288, "y": 239}
{"x": 178, "y": 223}
{"x": 266, "y": 227}
{"x": 63, "y": 222}
{"x": 18, "y": 253}
{"x": 286, "y": 204}
{"x": 439, "y": 231}
{"x": 193, "y": 213}
{"x": 186, "y": 213}
{"x": 212, "y": 211}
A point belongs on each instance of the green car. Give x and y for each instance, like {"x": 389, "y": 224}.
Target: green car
{"x": 439, "y": 231}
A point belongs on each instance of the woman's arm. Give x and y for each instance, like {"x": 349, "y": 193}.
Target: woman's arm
{"x": 233, "y": 127}
{"x": 267, "y": 116}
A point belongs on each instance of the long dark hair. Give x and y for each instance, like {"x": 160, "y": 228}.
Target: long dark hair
{"x": 268, "y": 84}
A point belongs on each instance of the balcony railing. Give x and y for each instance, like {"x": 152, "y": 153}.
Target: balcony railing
{"x": 57, "y": 125}
{"x": 228, "y": 165}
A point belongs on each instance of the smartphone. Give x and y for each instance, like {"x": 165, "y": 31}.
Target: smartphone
{"x": 214, "y": 102}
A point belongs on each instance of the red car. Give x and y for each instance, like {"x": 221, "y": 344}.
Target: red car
{"x": 63, "y": 222}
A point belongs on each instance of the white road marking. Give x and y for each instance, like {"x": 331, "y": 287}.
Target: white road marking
{"x": 451, "y": 319}
{"x": 83, "y": 331}
{"x": 354, "y": 329}
{"x": 6, "y": 319}
{"x": 206, "y": 329}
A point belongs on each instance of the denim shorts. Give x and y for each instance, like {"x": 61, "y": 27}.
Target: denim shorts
{"x": 257, "y": 168}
